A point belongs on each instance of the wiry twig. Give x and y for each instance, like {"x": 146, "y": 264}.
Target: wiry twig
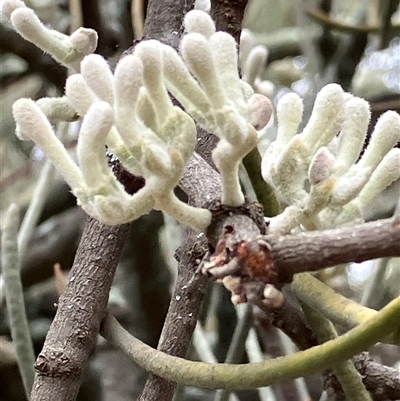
{"x": 323, "y": 19}
{"x": 15, "y": 299}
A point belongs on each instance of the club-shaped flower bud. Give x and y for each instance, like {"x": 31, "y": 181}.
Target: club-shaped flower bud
{"x": 149, "y": 52}
{"x": 353, "y": 133}
{"x": 198, "y": 56}
{"x": 384, "y": 137}
{"x": 325, "y": 120}
{"x": 67, "y": 50}
{"x": 289, "y": 114}
{"x": 387, "y": 171}
{"x": 91, "y": 149}
{"x": 34, "y": 125}
{"x": 254, "y": 64}
{"x": 79, "y": 94}
{"x": 225, "y": 56}
{"x": 99, "y": 77}
{"x": 199, "y": 22}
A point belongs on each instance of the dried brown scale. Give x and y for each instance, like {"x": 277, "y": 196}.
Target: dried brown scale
{"x": 256, "y": 260}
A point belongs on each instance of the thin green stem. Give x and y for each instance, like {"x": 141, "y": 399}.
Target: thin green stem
{"x": 35, "y": 207}
{"x": 202, "y": 346}
{"x": 237, "y": 345}
{"x": 345, "y": 371}
{"x": 15, "y": 299}
{"x": 261, "y": 374}
{"x": 255, "y": 354}
{"x": 372, "y": 295}
{"x": 265, "y": 194}
{"x": 337, "y": 308}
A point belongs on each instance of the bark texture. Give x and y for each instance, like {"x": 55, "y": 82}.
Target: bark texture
{"x": 182, "y": 314}
{"x": 164, "y": 20}
{"x": 275, "y": 259}
{"x": 81, "y": 308}
{"x": 228, "y": 16}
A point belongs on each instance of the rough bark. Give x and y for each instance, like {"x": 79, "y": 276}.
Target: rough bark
{"x": 182, "y": 314}
{"x": 200, "y": 183}
{"x": 382, "y": 381}
{"x": 275, "y": 259}
{"x": 164, "y": 20}
{"x": 289, "y": 318}
{"x": 332, "y": 247}
{"x": 81, "y": 308}
{"x": 228, "y": 16}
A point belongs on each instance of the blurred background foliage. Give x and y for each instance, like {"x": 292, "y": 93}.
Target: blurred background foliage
{"x": 310, "y": 43}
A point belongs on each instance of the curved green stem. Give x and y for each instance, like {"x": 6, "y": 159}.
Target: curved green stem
{"x": 265, "y": 194}
{"x": 261, "y": 374}
{"x": 345, "y": 371}
{"x": 337, "y": 308}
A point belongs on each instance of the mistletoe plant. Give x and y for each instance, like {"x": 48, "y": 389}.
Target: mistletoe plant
{"x": 131, "y": 113}
{"x": 318, "y": 175}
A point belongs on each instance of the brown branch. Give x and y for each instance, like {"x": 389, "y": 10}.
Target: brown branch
{"x": 228, "y": 16}
{"x": 182, "y": 314}
{"x": 317, "y": 250}
{"x": 81, "y": 308}
{"x": 73, "y": 332}
{"x": 275, "y": 259}
{"x": 164, "y": 20}
{"x": 200, "y": 182}
{"x": 289, "y": 318}
{"x": 383, "y": 382}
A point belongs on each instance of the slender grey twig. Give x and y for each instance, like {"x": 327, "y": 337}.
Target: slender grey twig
{"x": 15, "y": 300}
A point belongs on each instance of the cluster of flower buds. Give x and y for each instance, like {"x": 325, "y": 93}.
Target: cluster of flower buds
{"x": 319, "y": 174}
{"x": 206, "y": 82}
{"x": 131, "y": 113}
